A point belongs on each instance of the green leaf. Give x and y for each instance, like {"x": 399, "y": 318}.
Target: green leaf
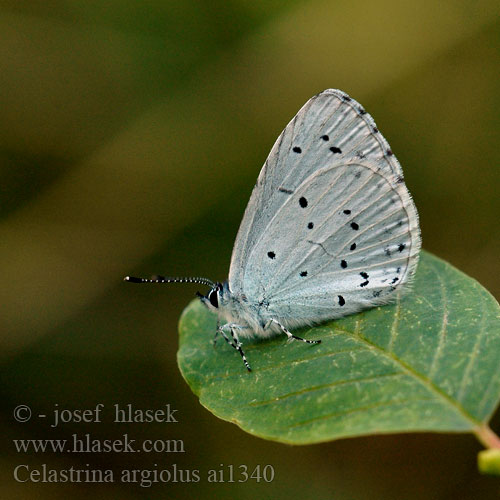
{"x": 429, "y": 362}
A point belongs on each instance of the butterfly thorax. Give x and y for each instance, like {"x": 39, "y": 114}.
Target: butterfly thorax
{"x": 236, "y": 309}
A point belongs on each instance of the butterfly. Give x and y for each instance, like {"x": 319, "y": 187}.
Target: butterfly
{"x": 330, "y": 229}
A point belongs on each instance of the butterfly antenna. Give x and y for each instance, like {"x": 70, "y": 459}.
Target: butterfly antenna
{"x": 168, "y": 279}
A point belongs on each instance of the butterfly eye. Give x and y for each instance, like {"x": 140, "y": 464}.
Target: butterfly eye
{"x": 212, "y": 297}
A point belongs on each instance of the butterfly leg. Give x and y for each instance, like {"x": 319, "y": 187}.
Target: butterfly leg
{"x": 235, "y": 342}
{"x": 290, "y": 335}
{"x": 216, "y": 332}
{"x": 220, "y": 329}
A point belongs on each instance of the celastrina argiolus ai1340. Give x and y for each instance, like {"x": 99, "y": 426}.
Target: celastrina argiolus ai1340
{"x": 330, "y": 228}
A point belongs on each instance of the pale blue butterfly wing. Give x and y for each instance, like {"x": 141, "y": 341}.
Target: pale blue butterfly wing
{"x": 330, "y": 227}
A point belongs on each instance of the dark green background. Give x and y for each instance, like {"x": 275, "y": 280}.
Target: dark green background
{"x": 131, "y": 134}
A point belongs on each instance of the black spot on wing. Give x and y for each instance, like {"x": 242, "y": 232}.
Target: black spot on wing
{"x": 325, "y": 137}
{"x": 310, "y": 225}
{"x": 401, "y": 247}
{"x": 341, "y": 300}
{"x": 284, "y": 190}
{"x": 296, "y": 149}
{"x": 364, "y": 283}
{"x": 303, "y": 202}
{"x": 343, "y": 264}
{"x": 355, "y": 226}
{"x": 353, "y": 246}
{"x": 335, "y": 150}
{"x": 271, "y": 255}
{"x": 347, "y": 212}
{"x": 303, "y": 273}
{"x": 364, "y": 275}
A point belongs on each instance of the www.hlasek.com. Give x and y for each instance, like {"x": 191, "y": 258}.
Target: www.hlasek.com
{"x": 86, "y": 443}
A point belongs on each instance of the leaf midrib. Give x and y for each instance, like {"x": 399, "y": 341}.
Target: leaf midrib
{"x": 425, "y": 381}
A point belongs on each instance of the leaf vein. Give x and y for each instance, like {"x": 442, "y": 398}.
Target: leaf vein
{"x": 473, "y": 356}
{"x": 361, "y": 408}
{"x": 395, "y": 323}
{"x": 442, "y": 332}
{"x": 324, "y": 386}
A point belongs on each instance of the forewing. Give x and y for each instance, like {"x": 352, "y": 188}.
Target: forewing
{"x": 330, "y": 155}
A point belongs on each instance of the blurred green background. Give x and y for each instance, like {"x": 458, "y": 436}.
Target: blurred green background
{"x": 131, "y": 135}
